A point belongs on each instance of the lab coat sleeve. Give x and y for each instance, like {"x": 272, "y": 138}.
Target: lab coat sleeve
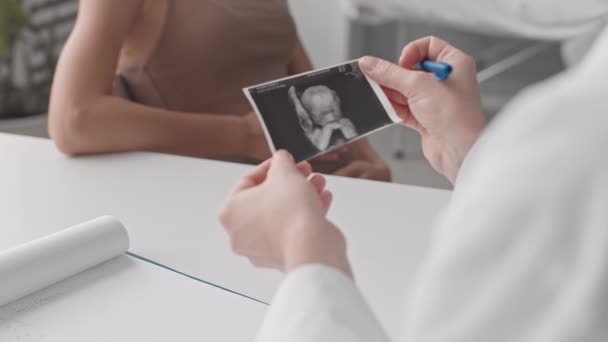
{"x": 316, "y": 303}
{"x": 538, "y": 19}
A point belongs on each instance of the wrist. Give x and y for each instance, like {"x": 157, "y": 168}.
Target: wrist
{"x": 251, "y": 140}
{"x": 455, "y": 152}
{"x": 321, "y": 243}
{"x": 236, "y": 144}
{"x": 246, "y": 136}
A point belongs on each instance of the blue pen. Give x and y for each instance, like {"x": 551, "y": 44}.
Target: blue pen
{"x": 440, "y": 69}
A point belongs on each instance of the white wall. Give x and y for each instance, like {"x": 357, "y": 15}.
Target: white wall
{"x": 323, "y": 28}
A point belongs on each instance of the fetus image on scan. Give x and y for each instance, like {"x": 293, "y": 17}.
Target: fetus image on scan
{"x": 316, "y": 112}
{"x": 321, "y": 118}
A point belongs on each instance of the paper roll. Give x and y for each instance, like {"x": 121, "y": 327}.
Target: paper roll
{"x": 40, "y": 263}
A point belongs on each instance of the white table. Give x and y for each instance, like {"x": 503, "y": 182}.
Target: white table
{"x": 125, "y": 299}
{"x": 170, "y": 204}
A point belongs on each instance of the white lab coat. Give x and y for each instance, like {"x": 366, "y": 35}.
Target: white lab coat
{"x": 520, "y": 254}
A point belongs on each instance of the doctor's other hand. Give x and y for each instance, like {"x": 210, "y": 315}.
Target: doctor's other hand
{"x": 447, "y": 114}
{"x": 276, "y": 217}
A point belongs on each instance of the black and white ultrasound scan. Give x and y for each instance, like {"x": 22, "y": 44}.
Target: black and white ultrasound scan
{"x": 315, "y": 112}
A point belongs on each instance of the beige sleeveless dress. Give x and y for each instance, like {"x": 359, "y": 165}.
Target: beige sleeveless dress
{"x": 211, "y": 49}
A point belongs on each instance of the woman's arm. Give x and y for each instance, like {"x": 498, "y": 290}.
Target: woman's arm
{"x": 85, "y": 117}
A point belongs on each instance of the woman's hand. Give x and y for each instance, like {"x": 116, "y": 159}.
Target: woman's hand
{"x": 365, "y": 163}
{"x": 276, "y": 217}
{"x": 447, "y": 114}
{"x": 365, "y": 169}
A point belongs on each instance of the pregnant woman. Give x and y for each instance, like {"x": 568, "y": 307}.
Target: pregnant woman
{"x": 166, "y": 76}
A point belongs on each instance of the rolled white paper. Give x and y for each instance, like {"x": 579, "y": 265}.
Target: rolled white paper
{"x": 43, "y": 262}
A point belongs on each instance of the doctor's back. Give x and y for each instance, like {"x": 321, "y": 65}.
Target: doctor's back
{"x": 521, "y": 252}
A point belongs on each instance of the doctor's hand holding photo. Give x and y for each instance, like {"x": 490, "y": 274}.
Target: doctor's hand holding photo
{"x": 447, "y": 114}
{"x": 276, "y": 217}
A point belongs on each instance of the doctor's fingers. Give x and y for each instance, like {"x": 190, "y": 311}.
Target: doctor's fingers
{"x": 407, "y": 118}
{"x": 253, "y": 178}
{"x": 395, "y": 96}
{"x": 282, "y": 164}
{"x": 401, "y": 106}
{"x": 327, "y": 198}
{"x": 318, "y": 182}
{"x": 431, "y": 48}
{"x": 305, "y": 169}
{"x": 260, "y": 173}
{"x": 389, "y": 75}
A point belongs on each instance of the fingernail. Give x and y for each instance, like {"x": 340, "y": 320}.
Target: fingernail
{"x": 368, "y": 63}
{"x": 283, "y": 154}
{"x": 279, "y": 154}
